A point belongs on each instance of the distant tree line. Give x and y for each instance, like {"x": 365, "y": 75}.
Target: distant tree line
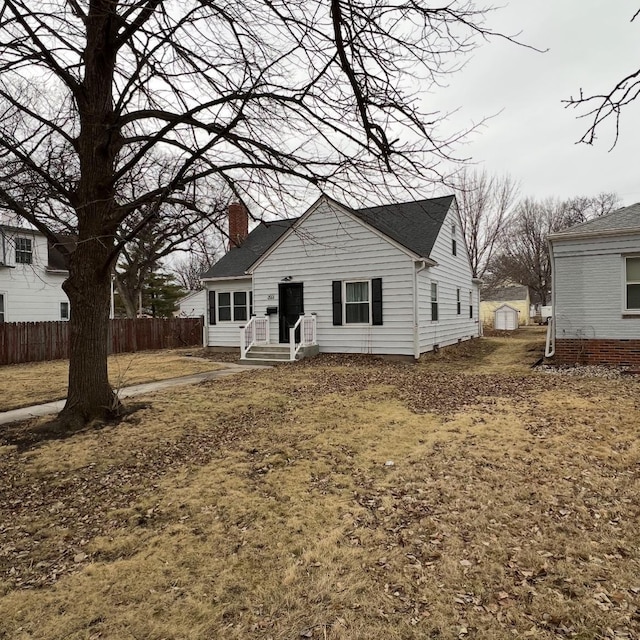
{"x": 507, "y": 237}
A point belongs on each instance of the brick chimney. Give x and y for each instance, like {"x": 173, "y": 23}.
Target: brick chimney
{"x": 238, "y": 224}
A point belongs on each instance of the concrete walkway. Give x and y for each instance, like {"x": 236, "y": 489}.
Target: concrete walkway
{"x": 48, "y": 408}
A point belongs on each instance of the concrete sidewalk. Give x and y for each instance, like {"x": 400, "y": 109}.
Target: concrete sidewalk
{"x": 48, "y": 408}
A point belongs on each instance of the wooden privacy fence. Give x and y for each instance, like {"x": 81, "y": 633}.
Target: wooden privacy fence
{"x": 37, "y": 341}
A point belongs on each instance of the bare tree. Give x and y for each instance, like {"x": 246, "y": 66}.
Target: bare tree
{"x": 173, "y": 227}
{"x": 90, "y": 90}
{"x": 485, "y": 204}
{"x": 524, "y": 253}
{"x": 585, "y": 208}
{"x": 601, "y": 107}
{"x": 200, "y": 254}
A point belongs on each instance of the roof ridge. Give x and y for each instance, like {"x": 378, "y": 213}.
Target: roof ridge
{"x": 404, "y": 203}
{"x": 590, "y": 223}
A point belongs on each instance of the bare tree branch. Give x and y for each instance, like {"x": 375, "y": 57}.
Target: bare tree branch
{"x": 120, "y": 119}
{"x": 485, "y": 204}
{"x": 608, "y": 106}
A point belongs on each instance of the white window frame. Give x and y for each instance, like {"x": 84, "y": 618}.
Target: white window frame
{"x": 458, "y": 302}
{"x": 625, "y": 284}
{"x": 3, "y": 306}
{"x": 470, "y": 305}
{"x": 345, "y": 303}
{"x": 435, "y": 301}
{"x": 26, "y": 253}
{"x": 454, "y": 239}
{"x": 248, "y": 305}
{"x": 68, "y": 307}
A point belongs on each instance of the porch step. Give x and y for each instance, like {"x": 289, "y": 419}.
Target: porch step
{"x": 270, "y": 348}
{"x": 267, "y": 354}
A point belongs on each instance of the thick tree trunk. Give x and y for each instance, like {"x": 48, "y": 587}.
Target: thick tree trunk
{"x": 90, "y": 396}
{"x": 129, "y": 298}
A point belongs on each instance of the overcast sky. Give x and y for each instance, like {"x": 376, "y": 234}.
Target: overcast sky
{"x": 591, "y": 44}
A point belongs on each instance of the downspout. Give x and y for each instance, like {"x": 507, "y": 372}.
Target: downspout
{"x": 550, "y": 347}
{"x": 477, "y": 282}
{"x": 416, "y": 308}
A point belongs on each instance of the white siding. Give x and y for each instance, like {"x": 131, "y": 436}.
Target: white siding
{"x": 31, "y": 294}
{"x": 452, "y": 273}
{"x": 226, "y": 333}
{"x": 329, "y": 246}
{"x": 193, "y": 305}
{"x": 589, "y": 288}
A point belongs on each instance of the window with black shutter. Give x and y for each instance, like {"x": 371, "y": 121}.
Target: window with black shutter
{"x": 357, "y": 302}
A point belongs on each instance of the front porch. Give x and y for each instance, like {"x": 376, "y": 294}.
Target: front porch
{"x": 256, "y": 347}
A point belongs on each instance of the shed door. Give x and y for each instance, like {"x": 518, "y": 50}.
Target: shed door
{"x": 506, "y": 319}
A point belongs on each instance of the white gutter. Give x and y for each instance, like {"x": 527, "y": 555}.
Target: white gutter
{"x": 214, "y": 278}
{"x": 416, "y": 309}
{"x": 550, "y": 346}
{"x": 585, "y": 235}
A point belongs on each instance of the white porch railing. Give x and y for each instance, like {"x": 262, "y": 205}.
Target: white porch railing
{"x": 307, "y": 326}
{"x": 256, "y": 331}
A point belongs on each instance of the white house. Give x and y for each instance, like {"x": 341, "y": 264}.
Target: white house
{"x": 31, "y": 275}
{"x": 596, "y": 291}
{"x": 392, "y": 280}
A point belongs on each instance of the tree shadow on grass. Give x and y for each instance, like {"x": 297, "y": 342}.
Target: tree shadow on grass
{"x": 29, "y": 434}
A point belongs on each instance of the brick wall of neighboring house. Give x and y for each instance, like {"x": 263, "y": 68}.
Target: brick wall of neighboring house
{"x": 606, "y": 352}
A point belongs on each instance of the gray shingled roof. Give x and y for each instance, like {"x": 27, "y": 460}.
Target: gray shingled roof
{"x": 414, "y": 225}
{"x": 239, "y": 259}
{"x": 624, "y": 219}
{"x": 512, "y": 292}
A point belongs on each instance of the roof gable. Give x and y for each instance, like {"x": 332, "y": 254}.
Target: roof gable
{"x": 414, "y": 226}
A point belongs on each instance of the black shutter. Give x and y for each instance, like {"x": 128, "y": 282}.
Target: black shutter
{"x": 376, "y": 301}
{"x": 337, "y": 302}
{"x": 212, "y": 307}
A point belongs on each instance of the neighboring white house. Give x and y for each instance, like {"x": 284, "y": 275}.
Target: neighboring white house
{"x": 390, "y": 280}
{"x": 596, "y": 290}
{"x": 193, "y": 305}
{"x": 31, "y": 275}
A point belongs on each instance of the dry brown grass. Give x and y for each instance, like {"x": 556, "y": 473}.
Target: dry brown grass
{"x": 261, "y": 506}
{"x": 24, "y": 385}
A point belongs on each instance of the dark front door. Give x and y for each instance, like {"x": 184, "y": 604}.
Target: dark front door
{"x": 291, "y": 307}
